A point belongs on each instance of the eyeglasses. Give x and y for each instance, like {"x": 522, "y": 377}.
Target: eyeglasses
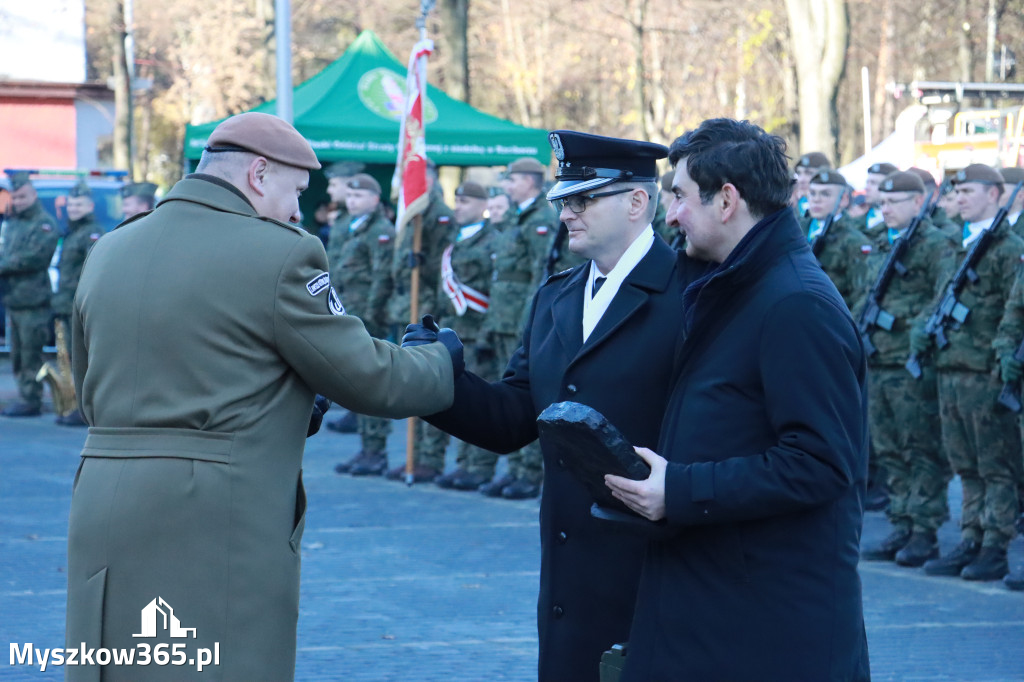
{"x": 577, "y": 203}
{"x": 893, "y": 202}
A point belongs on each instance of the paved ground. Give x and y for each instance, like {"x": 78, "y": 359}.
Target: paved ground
{"x": 422, "y": 584}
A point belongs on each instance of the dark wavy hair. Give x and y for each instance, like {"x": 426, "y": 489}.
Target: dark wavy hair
{"x": 723, "y": 150}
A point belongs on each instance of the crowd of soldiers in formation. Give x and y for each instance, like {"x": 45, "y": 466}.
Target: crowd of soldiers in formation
{"x": 931, "y": 273}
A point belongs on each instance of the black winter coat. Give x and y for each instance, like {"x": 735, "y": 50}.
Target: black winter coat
{"x": 766, "y": 437}
{"x": 589, "y": 568}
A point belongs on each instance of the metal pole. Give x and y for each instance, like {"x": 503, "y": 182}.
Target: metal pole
{"x": 283, "y": 42}
{"x": 866, "y": 93}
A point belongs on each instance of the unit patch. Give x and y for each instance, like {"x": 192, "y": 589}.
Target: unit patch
{"x": 318, "y": 283}
{"x": 334, "y": 303}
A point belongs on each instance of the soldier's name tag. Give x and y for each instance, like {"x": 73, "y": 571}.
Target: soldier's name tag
{"x": 318, "y": 284}
{"x": 334, "y": 303}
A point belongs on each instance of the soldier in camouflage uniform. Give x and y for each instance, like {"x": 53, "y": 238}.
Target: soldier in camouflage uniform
{"x": 338, "y": 174}
{"x": 390, "y": 291}
{"x": 807, "y": 166}
{"x": 29, "y": 240}
{"x": 83, "y": 232}
{"x": 499, "y": 209}
{"x": 136, "y": 198}
{"x": 872, "y": 223}
{"x": 521, "y": 257}
{"x": 981, "y": 440}
{"x": 937, "y": 216}
{"x": 466, "y": 284}
{"x": 845, "y": 249}
{"x": 903, "y": 412}
{"x": 1011, "y": 176}
{"x": 364, "y": 254}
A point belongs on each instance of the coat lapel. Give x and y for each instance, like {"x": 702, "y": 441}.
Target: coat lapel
{"x": 567, "y": 311}
{"x": 652, "y": 274}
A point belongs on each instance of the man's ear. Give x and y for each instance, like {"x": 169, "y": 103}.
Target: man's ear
{"x": 258, "y": 171}
{"x": 728, "y": 201}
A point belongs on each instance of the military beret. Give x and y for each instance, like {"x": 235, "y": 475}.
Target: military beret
{"x": 666, "y": 181}
{"x": 265, "y": 135}
{"x": 143, "y": 190}
{"x": 364, "y": 181}
{"x": 813, "y": 160}
{"x": 828, "y": 177}
{"x": 588, "y": 161}
{"x": 526, "y": 165}
{"x": 19, "y": 179}
{"x": 882, "y": 168}
{"x": 926, "y": 178}
{"x": 978, "y": 172}
{"x": 902, "y": 181}
{"x": 80, "y": 189}
{"x": 1013, "y": 175}
{"x": 344, "y": 169}
{"x": 495, "y": 191}
{"x": 471, "y": 189}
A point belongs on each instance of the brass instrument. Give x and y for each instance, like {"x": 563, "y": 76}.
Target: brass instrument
{"x": 58, "y": 377}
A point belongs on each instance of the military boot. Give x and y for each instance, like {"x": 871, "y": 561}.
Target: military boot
{"x": 520, "y": 489}
{"x": 494, "y": 488}
{"x": 1015, "y": 581}
{"x": 346, "y": 466}
{"x": 921, "y": 547}
{"x": 990, "y": 564}
{"x": 370, "y": 464}
{"x": 954, "y": 562}
{"x": 887, "y": 549}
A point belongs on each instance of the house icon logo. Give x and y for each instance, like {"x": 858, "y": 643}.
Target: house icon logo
{"x": 159, "y": 613}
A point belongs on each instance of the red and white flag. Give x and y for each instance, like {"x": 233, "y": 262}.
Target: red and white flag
{"x": 411, "y": 168}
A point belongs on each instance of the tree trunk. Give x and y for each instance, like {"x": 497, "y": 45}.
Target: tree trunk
{"x": 819, "y": 34}
{"x": 454, "y": 23}
{"x": 639, "y": 14}
{"x": 122, "y": 93}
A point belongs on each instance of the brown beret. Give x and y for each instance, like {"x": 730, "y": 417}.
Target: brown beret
{"x": 144, "y": 190}
{"x": 526, "y": 165}
{"x": 1013, "y": 175}
{"x": 926, "y": 178}
{"x": 364, "y": 181}
{"x": 813, "y": 160}
{"x": 882, "y": 169}
{"x": 828, "y": 177}
{"x": 265, "y": 135}
{"x": 471, "y": 189}
{"x": 902, "y": 181}
{"x": 978, "y": 172}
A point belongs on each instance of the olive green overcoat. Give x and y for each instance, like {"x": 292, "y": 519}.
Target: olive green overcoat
{"x": 201, "y": 334}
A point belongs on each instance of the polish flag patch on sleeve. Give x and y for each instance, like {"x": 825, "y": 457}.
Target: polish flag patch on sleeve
{"x": 866, "y": 249}
{"x": 542, "y": 229}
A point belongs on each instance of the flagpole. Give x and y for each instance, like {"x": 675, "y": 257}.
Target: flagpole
{"x": 414, "y": 283}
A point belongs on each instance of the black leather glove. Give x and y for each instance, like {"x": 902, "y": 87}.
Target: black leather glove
{"x": 428, "y": 332}
{"x": 320, "y": 407}
{"x": 414, "y": 258}
{"x": 419, "y": 334}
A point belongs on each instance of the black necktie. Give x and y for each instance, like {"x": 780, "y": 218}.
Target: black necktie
{"x": 598, "y": 281}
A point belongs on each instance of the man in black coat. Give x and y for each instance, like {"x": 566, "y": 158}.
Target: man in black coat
{"x": 763, "y": 447}
{"x": 604, "y": 334}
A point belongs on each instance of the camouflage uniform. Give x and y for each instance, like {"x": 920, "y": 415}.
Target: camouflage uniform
{"x": 82, "y": 234}
{"x": 363, "y": 253}
{"x": 953, "y": 230}
{"x": 903, "y": 412}
{"x": 981, "y": 440}
{"x": 337, "y": 234}
{"x": 520, "y": 257}
{"x": 471, "y": 265}
{"x": 390, "y": 291}
{"x": 30, "y": 238}
{"x": 843, "y": 255}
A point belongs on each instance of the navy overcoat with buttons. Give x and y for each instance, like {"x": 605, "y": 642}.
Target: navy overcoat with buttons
{"x": 766, "y": 441}
{"x": 589, "y": 569}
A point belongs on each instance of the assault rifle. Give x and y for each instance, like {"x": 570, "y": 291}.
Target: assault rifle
{"x": 873, "y": 314}
{"x": 950, "y": 311}
{"x": 556, "y": 250}
{"x": 818, "y": 242}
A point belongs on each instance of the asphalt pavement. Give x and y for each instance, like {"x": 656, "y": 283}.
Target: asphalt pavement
{"x": 419, "y": 584}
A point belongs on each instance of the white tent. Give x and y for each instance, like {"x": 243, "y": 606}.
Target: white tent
{"x": 897, "y": 149}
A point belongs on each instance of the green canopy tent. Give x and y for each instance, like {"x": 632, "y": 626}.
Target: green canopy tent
{"x": 351, "y": 110}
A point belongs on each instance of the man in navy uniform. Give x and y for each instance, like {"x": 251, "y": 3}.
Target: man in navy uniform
{"x": 600, "y": 331}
